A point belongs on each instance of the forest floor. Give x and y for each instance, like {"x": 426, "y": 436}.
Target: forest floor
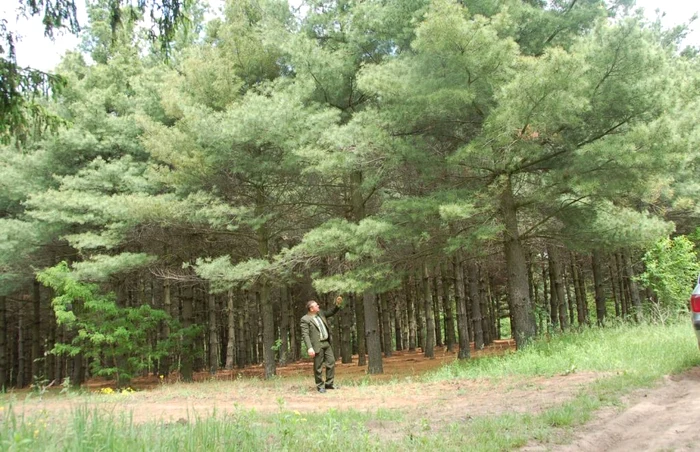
{"x": 661, "y": 418}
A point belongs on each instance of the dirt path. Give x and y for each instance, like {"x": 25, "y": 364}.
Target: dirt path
{"x": 665, "y": 418}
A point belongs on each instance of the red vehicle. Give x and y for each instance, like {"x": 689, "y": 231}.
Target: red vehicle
{"x": 695, "y": 310}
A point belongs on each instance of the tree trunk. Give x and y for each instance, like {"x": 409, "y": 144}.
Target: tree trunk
{"x": 490, "y": 309}
{"x": 3, "y": 345}
{"x": 251, "y": 325}
{"x": 632, "y": 283}
{"x": 284, "y": 325}
{"x": 557, "y": 278}
{"x": 213, "y": 335}
{"x": 418, "y": 311}
{"x": 345, "y": 335}
{"x": 429, "y": 351}
{"x": 546, "y": 293}
{"x": 516, "y": 268}
{"x": 461, "y": 304}
{"x": 369, "y": 304}
{"x": 398, "y": 322}
{"x": 242, "y": 349}
{"x": 231, "y": 332}
{"x": 360, "y": 322}
{"x": 411, "y": 314}
{"x": 613, "y": 290}
{"x": 580, "y": 297}
{"x": 37, "y": 356}
{"x": 621, "y": 283}
{"x": 436, "y": 312}
{"x": 187, "y": 357}
{"x": 569, "y": 306}
{"x": 21, "y": 355}
{"x": 450, "y": 338}
{"x": 373, "y": 341}
{"x": 584, "y": 296}
{"x": 600, "y": 308}
{"x": 294, "y": 347}
{"x": 166, "y": 364}
{"x": 268, "y": 328}
{"x": 386, "y": 324}
{"x": 475, "y": 296}
{"x": 50, "y": 343}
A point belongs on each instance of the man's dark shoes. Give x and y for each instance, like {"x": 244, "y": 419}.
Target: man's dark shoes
{"x": 322, "y": 390}
{"x": 332, "y": 387}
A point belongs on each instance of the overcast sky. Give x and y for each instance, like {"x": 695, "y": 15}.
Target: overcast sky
{"x": 39, "y": 52}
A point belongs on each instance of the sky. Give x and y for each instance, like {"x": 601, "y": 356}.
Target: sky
{"x": 37, "y": 51}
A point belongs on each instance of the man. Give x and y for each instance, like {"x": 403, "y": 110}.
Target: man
{"x": 316, "y": 335}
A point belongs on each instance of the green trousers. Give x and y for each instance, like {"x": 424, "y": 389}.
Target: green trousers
{"x": 324, "y": 357}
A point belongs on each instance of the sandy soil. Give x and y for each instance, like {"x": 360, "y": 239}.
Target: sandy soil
{"x": 664, "y": 418}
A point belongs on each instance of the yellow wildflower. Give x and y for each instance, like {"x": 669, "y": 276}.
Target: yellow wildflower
{"x": 297, "y": 413}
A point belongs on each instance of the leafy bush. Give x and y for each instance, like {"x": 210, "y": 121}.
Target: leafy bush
{"x": 671, "y": 269}
{"x": 114, "y": 337}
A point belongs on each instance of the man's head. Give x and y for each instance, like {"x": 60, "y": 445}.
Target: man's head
{"x": 312, "y": 307}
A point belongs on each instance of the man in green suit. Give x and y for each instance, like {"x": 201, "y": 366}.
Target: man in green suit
{"x": 316, "y": 335}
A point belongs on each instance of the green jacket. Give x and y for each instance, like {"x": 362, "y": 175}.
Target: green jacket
{"x": 310, "y": 333}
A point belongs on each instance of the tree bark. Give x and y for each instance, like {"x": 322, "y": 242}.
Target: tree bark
{"x": 213, "y": 335}
{"x": 557, "y": 278}
{"x": 475, "y": 296}
{"x": 460, "y": 303}
{"x": 621, "y": 285}
{"x": 632, "y": 284}
{"x": 418, "y": 310}
{"x": 187, "y": 357}
{"x": 436, "y": 312}
{"x": 37, "y": 356}
{"x": 429, "y": 351}
{"x": 373, "y": 341}
{"x": 231, "y": 330}
{"x": 268, "y": 328}
{"x": 21, "y": 355}
{"x": 450, "y": 339}
{"x": 166, "y": 364}
{"x": 369, "y": 304}
{"x": 386, "y": 324}
{"x": 516, "y": 268}
{"x": 242, "y": 349}
{"x": 345, "y": 335}
{"x": 360, "y": 322}
{"x": 490, "y": 309}
{"x": 398, "y": 323}
{"x": 600, "y": 308}
{"x": 284, "y": 326}
{"x": 579, "y": 294}
{"x": 411, "y": 314}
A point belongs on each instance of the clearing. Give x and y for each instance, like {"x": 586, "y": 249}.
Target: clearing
{"x": 661, "y": 418}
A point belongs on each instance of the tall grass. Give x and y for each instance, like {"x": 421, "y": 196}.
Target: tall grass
{"x": 629, "y": 357}
{"x": 647, "y": 351}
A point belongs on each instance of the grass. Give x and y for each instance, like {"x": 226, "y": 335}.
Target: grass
{"x": 630, "y": 357}
{"x": 648, "y": 351}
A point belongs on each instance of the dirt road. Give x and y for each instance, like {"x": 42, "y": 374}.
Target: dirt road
{"x": 665, "y": 418}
